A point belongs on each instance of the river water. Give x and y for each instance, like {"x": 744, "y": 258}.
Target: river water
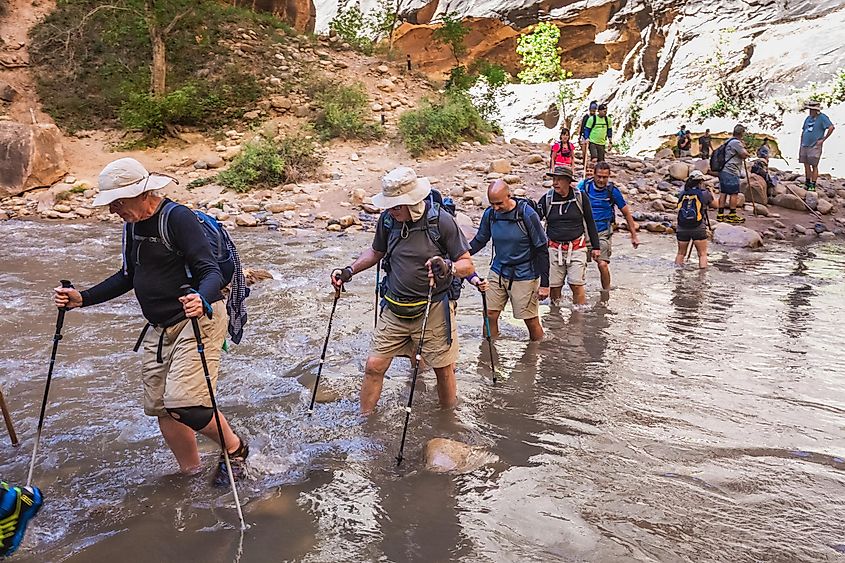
{"x": 692, "y": 417}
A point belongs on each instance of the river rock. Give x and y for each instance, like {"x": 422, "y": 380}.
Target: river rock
{"x": 800, "y": 229}
{"x": 500, "y": 166}
{"x": 761, "y": 209}
{"x": 734, "y": 235}
{"x": 812, "y": 200}
{"x": 534, "y": 159}
{"x": 664, "y": 153}
{"x": 280, "y": 206}
{"x": 679, "y": 171}
{"x": 348, "y": 221}
{"x": 32, "y": 157}
{"x": 702, "y": 165}
{"x": 512, "y": 179}
{"x": 449, "y": 456}
{"x": 824, "y": 207}
{"x": 755, "y": 189}
{"x": 246, "y": 220}
{"x": 789, "y": 201}
{"x": 827, "y": 235}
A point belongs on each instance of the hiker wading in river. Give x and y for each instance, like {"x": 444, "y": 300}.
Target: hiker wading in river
{"x": 571, "y": 232}
{"x": 605, "y": 198}
{"x": 175, "y": 390}
{"x": 419, "y": 242}
{"x": 520, "y": 269}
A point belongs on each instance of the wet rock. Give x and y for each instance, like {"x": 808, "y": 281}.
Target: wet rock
{"x": 449, "y": 456}
{"x": 255, "y": 275}
{"x": 736, "y": 236}
{"x": 500, "y": 166}
{"x": 246, "y": 220}
{"x": 800, "y": 229}
{"x": 789, "y": 201}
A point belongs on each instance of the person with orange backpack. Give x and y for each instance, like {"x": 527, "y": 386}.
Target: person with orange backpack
{"x": 693, "y": 221}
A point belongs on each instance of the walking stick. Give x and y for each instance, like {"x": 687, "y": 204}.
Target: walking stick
{"x": 201, "y": 350}
{"x": 60, "y": 320}
{"x": 399, "y": 457}
{"x": 487, "y": 334}
{"x": 323, "y": 355}
{"x": 6, "y": 417}
{"x": 750, "y": 189}
{"x": 378, "y": 282}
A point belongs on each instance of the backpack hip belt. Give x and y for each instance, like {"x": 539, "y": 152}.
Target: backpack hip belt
{"x": 577, "y": 244}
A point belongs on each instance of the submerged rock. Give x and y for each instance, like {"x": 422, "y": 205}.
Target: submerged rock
{"x": 733, "y": 235}
{"x": 449, "y": 456}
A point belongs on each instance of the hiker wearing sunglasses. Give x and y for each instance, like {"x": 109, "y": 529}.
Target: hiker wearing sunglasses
{"x": 419, "y": 243}
{"x": 175, "y": 390}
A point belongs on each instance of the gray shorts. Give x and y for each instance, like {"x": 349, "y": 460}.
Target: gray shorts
{"x": 810, "y": 155}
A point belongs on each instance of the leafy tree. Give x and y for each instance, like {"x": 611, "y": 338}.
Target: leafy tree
{"x": 540, "y": 54}
{"x": 351, "y": 25}
{"x": 452, "y": 33}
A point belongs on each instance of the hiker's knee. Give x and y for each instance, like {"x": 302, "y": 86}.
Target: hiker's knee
{"x": 196, "y": 418}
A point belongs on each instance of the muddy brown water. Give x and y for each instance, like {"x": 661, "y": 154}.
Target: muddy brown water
{"x": 689, "y": 418}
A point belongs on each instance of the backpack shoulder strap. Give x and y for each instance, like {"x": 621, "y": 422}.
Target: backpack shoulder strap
{"x": 433, "y": 229}
{"x": 163, "y": 222}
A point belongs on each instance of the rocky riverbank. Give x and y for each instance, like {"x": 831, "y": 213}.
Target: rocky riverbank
{"x": 341, "y": 201}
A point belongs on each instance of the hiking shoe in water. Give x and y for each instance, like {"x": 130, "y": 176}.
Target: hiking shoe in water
{"x": 18, "y": 505}
{"x": 238, "y": 461}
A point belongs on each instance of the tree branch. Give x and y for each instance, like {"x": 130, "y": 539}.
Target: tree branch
{"x": 175, "y": 20}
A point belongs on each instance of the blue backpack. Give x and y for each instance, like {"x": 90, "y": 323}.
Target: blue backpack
{"x": 690, "y": 213}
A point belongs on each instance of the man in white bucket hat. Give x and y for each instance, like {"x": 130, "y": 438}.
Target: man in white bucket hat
{"x": 175, "y": 390}
{"x": 420, "y": 245}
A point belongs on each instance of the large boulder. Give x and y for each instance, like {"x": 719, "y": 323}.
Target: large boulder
{"x": 679, "y": 171}
{"x": 789, "y": 201}
{"x": 755, "y": 189}
{"x": 31, "y": 157}
{"x": 734, "y": 235}
{"x": 448, "y": 456}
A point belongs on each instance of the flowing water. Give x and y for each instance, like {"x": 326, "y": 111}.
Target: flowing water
{"x": 689, "y": 418}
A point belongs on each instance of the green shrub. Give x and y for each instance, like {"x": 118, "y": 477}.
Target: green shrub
{"x": 269, "y": 163}
{"x": 442, "y": 124}
{"x": 451, "y": 33}
{"x": 540, "y": 54}
{"x": 342, "y": 112}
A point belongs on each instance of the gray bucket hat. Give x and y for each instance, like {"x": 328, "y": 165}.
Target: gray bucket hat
{"x": 401, "y": 186}
{"x": 127, "y": 178}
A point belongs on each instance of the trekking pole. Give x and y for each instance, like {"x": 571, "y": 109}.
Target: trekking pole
{"x": 323, "y": 355}
{"x": 418, "y": 358}
{"x": 487, "y": 334}
{"x": 60, "y": 320}
{"x": 750, "y": 189}
{"x": 201, "y": 350}
{"x": 810, "y": 209}
{"x": 8, "y": 419}
{"x": 689, "y": 250}
{"x": 378, "y": 282}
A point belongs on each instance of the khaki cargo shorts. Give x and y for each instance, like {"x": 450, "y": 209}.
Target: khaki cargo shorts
{"x": 180, "y": 381}
{"x": 573, "y": 273}
{"x": 810, "y": 155}
{"x": 400, "y": 337}
{"x": 605, "y": 244}
{"x": 522, "y": 295}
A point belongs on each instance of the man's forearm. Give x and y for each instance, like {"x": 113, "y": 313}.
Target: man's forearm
{"x": 464, "y": 266}
{"x": 368, "y": 259}
{"x": 629, "y": 218}
{"x": 828, "y": 133}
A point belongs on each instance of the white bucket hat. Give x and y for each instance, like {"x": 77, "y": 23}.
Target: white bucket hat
{"x": 126, "y": 178}
{"x": 401, "y": 186}
{"x": 696, "y": 174}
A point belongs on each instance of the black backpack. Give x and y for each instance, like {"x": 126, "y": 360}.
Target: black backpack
{"x": 690, "y": 208}
{"x": 519, "y": 216}
{"x": 720, "y": 157}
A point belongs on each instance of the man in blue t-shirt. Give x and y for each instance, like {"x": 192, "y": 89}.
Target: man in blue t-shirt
{"x": 604, "y": 199}
{"x": 816, "y": 130}
{"x": 520, "y": 269}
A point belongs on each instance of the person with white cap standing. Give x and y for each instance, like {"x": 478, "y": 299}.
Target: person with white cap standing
{"x": 420, "y": 245}
{"x": 816, "y": 130}
{"x": 175, "y": 389}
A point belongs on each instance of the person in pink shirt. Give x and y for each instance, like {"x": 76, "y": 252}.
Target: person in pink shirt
{"x": 562, "y": 151}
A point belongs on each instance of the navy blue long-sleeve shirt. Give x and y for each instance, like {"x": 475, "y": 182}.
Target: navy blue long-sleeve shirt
{"x": 157, "y": 274}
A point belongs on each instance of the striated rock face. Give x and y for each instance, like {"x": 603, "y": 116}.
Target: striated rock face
{"x": 31, "y": 157}
{"x": 300, "y": 14}
{"x": 652, "y": 60}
